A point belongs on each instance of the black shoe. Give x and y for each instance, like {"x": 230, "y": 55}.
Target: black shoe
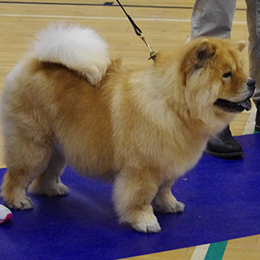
{"x": 223, "y": 145}
{"x": 257, "y": 117}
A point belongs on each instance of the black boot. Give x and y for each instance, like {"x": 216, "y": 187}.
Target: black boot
{"x": 223, "y": 145}
{"x": 257, "y": 117}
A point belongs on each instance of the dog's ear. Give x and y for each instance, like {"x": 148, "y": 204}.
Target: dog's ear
{"x": 203, "y": 51}
{"x": 240, "y": 45}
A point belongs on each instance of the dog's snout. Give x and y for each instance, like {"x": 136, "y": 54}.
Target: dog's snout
{"x": 251, "y": 84}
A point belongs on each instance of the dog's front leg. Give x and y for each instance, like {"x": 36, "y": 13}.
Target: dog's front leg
{"x": 134, "y": 191}
{"x": 165, "y": 202}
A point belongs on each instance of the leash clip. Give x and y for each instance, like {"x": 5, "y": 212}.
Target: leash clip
{"x": 152, "y": 52}
{"x": 139, "y": 33}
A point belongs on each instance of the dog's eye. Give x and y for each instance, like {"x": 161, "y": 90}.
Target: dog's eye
{"x": 227, "y": 75}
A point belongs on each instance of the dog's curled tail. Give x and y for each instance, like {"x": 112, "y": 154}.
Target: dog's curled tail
{"x": 78, "y": 48}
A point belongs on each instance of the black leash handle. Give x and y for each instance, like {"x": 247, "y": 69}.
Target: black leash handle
{"x": 139, "y": 32}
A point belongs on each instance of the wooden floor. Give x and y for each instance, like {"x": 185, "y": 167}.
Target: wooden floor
{"x": 165, "y": 23}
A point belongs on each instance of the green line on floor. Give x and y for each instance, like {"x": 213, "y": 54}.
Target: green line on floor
{"x": 216, "y": 251}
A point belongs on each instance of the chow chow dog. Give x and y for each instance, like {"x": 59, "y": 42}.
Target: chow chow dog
{"x": 68, "y": 102}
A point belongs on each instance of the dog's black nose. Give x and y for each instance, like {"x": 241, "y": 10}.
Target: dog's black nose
{"x": 251, "y": 84}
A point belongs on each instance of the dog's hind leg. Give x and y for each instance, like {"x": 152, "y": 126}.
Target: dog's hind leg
{"x": 25, "y": 160}
{"x": 49, "y": 183}
{"x": 165, "y": 202}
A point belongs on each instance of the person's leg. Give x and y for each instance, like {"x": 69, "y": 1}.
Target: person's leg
{"x": 214, "y": 18}
{"x": 253, "y": 23}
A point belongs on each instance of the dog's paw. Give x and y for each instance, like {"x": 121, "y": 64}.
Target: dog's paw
{"x": 145, "y": 221}
{"x": 148, "y": 227}
{"x": 179, "y": 207}
{"x": 25, "y": 203}
{"x": 169, "y": 208}
{"x": 56, "y": 189}
{"x": 168, "y": 205}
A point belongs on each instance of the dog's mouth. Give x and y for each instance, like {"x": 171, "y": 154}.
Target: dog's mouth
{"x": 233, "y": 107}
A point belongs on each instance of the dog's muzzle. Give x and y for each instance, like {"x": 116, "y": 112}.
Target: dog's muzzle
{"x": 236, "y": 107}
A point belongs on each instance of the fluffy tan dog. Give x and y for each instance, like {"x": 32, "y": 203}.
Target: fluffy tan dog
{"x": 67, "y": 102}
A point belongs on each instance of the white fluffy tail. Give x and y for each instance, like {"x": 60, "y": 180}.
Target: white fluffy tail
{"x": 78, "y": 48}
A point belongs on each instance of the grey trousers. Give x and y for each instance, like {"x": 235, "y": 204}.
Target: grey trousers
{"x": 215, "y": 17}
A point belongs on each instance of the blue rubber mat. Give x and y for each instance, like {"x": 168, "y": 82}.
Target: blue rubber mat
{"x": 222, "y": 199}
